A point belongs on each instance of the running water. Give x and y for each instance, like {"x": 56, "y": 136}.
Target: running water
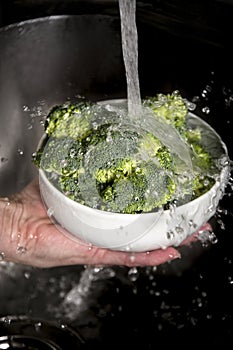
{"x": 130, "y": 54}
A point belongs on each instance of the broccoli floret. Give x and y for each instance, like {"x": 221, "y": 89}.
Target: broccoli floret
{"x": 150, "y": 145}
{"x": 124, "y": 168}
{"x": 202, "y": 162}
{"x": 146, "y": 187}
{"x": 201, "y": 184}
{"x": 61, "y": 156}
{"x": 174, "y": 110}
{"x": 72, "y": 120}
{"x": 70, "y": 187}
{"x": 171, "y": 107}
{"x": 192, "y": 135}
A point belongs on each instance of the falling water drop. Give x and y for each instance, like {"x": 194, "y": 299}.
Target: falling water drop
{"x": 20, "y": 151}
{"x": 133, "y": 274}
{"x": 50, "y": 212}
{"x": 207, "y": 237}
{"x": 21, "y": 250}
{"x": 206, "y": 110}
{"x": 38, "y": 326}
{"x": 4, "y": 159}
{"x": 27, "y": 275}
{"x": 26, "y": 108}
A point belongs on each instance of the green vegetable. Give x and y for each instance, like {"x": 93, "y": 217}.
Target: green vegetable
{"x": 108, "y": 166}
{"x": 69, "y": 120}
{"x": 173, "y": 109}
{"x": 170, "y": 107}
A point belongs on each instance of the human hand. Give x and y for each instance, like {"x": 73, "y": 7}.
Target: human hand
{"x": 28, "y": 236}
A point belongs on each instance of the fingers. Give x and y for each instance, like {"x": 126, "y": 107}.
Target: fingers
{"x": 153, "y": 258}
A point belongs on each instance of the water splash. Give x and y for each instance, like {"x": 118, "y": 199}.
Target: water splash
{"x": 207, "y": 237}
{"x": 78, "y": 299}
{"x": 34, "y": 113}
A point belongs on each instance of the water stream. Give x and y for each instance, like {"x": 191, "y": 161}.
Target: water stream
{"x": 129, "y": 38}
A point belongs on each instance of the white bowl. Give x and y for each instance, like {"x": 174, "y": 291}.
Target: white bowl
{"x": 139, "y": 232}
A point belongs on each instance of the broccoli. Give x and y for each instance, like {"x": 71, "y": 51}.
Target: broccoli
{"x": 171, "y": 107}
{"x": 61, "y": 156}
{"x": 104, "y": 164}
{"x": 115, "y": 176}
{"x": 142, "y": 188}
{"x": 69, "y": 120}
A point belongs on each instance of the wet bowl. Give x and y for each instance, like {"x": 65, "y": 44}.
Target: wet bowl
{"x": 146, "y": 231}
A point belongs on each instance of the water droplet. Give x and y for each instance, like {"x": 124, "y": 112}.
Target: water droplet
{"x": 179, "y": 229}
{"x": 172, "y": 209}
{"x": 221, "y": 224}
{"x": 133, "y": 274}
{"x": 26, "y": 109}
{"x": 132, "y": 258}
{"x": 190, "y": 105}
{"x": 20, "y": 151}
{"x": 4, "y": 160}
{"x": 207, "y": 237}
{"x": 21, "y": 250}
{"x": 7, "y": 320}
{"x": 27, "y": 275}
{"x": 170, "y": 234}
{"x": 38, "y": 326}
{"x": 2, "y": 256}
{"x": 50, "y": 212}
{"x": 206, "y": 110}
{"x": 192, "y": 224}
